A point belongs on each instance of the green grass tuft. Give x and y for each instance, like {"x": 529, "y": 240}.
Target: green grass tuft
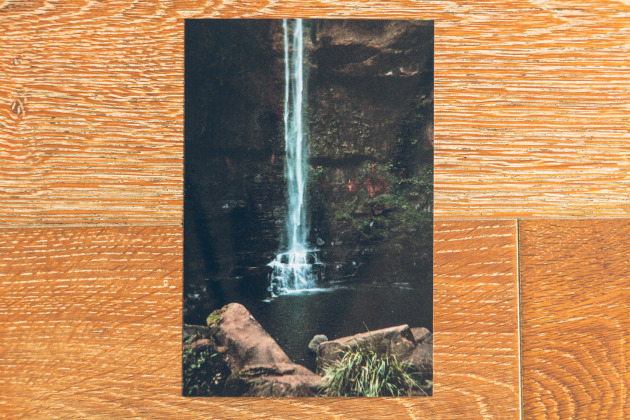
{"x": 365, "y": 372}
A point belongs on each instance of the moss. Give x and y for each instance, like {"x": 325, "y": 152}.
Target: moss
{"x": 392, "y": 220}
{"x": 339, "y": 132}
{"x": 215, "y": 318}
{"x": 373, "y": 184}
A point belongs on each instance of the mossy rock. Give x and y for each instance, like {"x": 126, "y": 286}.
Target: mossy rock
{"x": 215, "y": 318}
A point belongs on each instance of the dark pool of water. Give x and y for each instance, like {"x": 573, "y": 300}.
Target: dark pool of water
{"x": 340, "y": 310}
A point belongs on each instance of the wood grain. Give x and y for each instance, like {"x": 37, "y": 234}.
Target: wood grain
{"x": 575, "y": 294}
{"x": 91, "y": 328}
{"x": 531, "y": 105}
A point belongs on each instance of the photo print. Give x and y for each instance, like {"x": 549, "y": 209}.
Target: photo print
{"x": 308, "y": 208}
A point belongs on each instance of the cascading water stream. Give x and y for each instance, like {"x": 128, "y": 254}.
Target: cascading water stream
{"x": 293, "y": 269}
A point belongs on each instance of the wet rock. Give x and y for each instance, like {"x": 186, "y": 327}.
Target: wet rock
{"x": 371, "y": 136}
{"x": 313, "y": 345}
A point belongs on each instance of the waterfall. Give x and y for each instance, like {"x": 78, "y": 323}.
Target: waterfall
{"x": 296, "y": 267}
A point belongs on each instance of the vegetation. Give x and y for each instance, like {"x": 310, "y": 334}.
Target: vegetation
{"x": 383, "y": 213}
{"x": 205, "y": 370}
{"x": 204, "y": 373}
{"x": 364, "y": 371}
{"x": 215, "y": 317}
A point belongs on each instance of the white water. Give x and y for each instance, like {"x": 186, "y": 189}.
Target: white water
{"x": 293, "y": 267}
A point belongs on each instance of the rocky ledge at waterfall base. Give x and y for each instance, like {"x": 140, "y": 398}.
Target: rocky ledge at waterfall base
{"x": 234, "y": 356}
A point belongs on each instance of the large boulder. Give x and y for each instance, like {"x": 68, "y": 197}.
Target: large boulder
{"x": 285, "y": 380}
{"x": 412, "y": 345}
{"x": 246, "y": 343}
{"x": 259, "y": 367}
{"x": 394, "y": 340}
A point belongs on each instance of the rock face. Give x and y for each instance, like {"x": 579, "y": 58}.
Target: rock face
{"x": 399, "y": 341}
{"x": 234, "y": 195}
{"x": 258, "y": 367}
{"x": 371, "y": 144}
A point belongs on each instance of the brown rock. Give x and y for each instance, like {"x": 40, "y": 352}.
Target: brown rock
{"x": 398, "y": 341}
{"x": 413, "y": 345}
{"x": 259, "y": 366}
{"x": 421, "y": 334}
{"x": 313, "y": 345}
{"x": 422, "y": 358}
{"x": 200, "y": 345}
{"x": 192, "y": 333}
{"x": 247, "y": 344}
{"x": 279, "y": 381}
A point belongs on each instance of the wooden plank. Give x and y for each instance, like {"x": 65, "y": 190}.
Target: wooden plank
{"x": 91, "y": 317}
{"x": 575, "y": 294}
{"x": 531, "y": 105}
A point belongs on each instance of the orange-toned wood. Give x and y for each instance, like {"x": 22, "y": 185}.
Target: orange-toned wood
{"x": 531, "y": 121}
{"x": 575, "y": 294}
{"x": 91, "y": 327}
{"x": 530, "y": 104}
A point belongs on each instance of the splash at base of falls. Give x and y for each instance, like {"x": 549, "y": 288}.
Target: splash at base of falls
{"x": 295, "y": 270}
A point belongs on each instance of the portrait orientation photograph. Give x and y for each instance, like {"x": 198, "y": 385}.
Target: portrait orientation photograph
{"x": 308, "y": 208}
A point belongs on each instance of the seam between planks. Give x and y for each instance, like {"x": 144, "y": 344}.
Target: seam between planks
{"x": 88, "y": 225}
{"x": 180, "y": 223}
{"x": 518, "y": 314}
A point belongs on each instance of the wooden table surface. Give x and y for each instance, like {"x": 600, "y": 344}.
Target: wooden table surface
{"x": 532, "y": 228}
